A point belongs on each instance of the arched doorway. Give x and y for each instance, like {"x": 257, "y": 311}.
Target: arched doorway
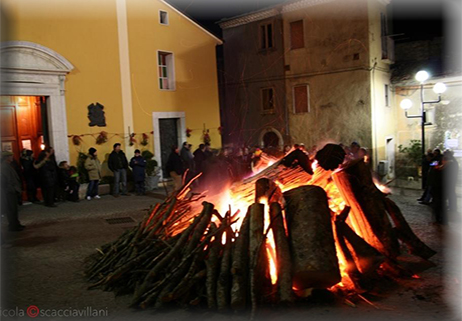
{"x": 270, "y": 139}
{"x": 35, "y": 74}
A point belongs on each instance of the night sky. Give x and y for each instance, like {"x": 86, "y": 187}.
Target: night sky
{"x": 415, "y": 19}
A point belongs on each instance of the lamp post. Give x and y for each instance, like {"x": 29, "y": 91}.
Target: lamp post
{"x": 406, "y": 104}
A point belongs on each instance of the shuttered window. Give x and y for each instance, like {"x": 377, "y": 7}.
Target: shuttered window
{"x": 267, "y": 96}
{"x": 297, "y": 35}
{"x": 266, "y": 36}
{"x": 166, "y": 71}
{"x": 301, "y": 99}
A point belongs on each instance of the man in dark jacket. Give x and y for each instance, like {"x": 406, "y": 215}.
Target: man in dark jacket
{"x": 118, "y": 164}
{"x": 48, "y": 172}
{"x": 11, "y": 189}
{"x": 199, "y": 158}
{"x": 138, "y": 164}
{"x": 175, "y": 167}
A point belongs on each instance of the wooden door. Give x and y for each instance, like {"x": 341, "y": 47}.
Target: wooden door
{"x": 168, "y": 128}
{"x": 21, "y": 123}
{"x": 9, "y": 130}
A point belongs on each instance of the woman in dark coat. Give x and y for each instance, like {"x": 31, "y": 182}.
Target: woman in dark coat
{"x": 30, "y": 175}
{"x": 138, "y": 164}
{"x": 48, "y": 173}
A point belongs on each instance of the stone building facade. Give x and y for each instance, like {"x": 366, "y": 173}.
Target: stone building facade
{"x": 333, "y": 58}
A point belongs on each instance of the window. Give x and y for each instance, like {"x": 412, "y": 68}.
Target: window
{"x": 166, "y": 72}
{"x": 301, "y": 99}
{"x": 384, "y": 34}
{"x": 163, "y": 17}
{"x": 266, "y": 36}
{"x": 297, "y": 35}
{"x": 267, "y": 97}
{"x": 387, "y": 96}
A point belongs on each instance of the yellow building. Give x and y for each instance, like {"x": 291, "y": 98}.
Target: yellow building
{"x": 152, "y": 68}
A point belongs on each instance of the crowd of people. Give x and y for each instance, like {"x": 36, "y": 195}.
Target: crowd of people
{"x": 231, "y": 164}
{"x": 216, "y": 169}
{"x": 60, "y": 182}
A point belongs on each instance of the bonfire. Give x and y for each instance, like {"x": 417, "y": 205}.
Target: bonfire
{"x": 269, "y": 239}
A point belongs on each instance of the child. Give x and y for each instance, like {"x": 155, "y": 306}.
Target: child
{"x": 63, "y": 177}
{"x": 73, "y": 184}
{"x": 138, "y": 164}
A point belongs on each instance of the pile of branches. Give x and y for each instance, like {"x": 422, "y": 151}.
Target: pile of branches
{"x": 175, "y": 257}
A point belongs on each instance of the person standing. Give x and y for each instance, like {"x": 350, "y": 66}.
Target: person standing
{"x": 199, "y": 159}
{"x": 48, "y": 173}
{"x": 30, "y": 175}
{"x": 93, "y": 167}
{"x": 188, "y": 160}
{"x": 175, "y": 167}
{"x": 74, "y": 185}
{"x": 138, "y": 164}
{"x": 11, "y": 190}
{"x": 63, "y": 180}
{"x": 118, "y": 164}
{"x": 451, "y": 174}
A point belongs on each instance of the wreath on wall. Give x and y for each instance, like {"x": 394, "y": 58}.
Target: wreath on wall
{"x": 102, "y": 138}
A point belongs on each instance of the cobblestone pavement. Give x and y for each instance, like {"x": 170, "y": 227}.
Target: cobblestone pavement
{"x": 43, "y": 265}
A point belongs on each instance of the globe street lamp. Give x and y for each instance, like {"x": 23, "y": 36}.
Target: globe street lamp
{"x": 406, "y": 104}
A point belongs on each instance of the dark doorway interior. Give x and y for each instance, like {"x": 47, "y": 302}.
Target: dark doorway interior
{"x": 270, "y": 140}
{"x": 168, "y": 128}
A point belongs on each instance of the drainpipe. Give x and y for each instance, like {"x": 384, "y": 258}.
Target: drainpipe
{"x": 374, "y": 115}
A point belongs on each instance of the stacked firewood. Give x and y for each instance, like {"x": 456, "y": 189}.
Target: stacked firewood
{"x": 177, "y": 255}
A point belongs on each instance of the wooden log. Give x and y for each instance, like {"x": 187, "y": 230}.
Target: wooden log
{"x": 240, "y": 267}
{"x": 367, "y": 258}
{"x": 314, "y": 258}
{"x": 351, "y": 268}
{"x": 258, "y": 272}
{"x": 405, "y": 233}
{"x": 284, "y": 260}
{"x": 266, "y": 189}
{"x": 224, "y": 278}
{"x": 368, "y": 216}
{"x": 212, "y": 262}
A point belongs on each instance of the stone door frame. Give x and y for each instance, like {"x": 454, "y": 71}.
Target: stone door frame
{"x": 156, "y": 136}
{"x": 30, "y": 69}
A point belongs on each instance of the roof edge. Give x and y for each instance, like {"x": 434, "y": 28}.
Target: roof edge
{"x": 218, "y": 40}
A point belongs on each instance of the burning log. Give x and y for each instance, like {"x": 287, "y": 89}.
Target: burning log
{"x": 257, "y": 255}
{"x": 405, "y": 233}
{"x": 284, "y": 260}
{"x": 350, "y": 265}
{"x": 314, "y": 258}
{"x": 224, "y": 277}
{"x": 368, "y": 215}
{"x": 240, "y": 267}
{"x": 266, "y": 189}
{"x": 367, "y": 258}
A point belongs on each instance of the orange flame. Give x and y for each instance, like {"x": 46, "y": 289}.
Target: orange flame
{"x": 270, "y": 244}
